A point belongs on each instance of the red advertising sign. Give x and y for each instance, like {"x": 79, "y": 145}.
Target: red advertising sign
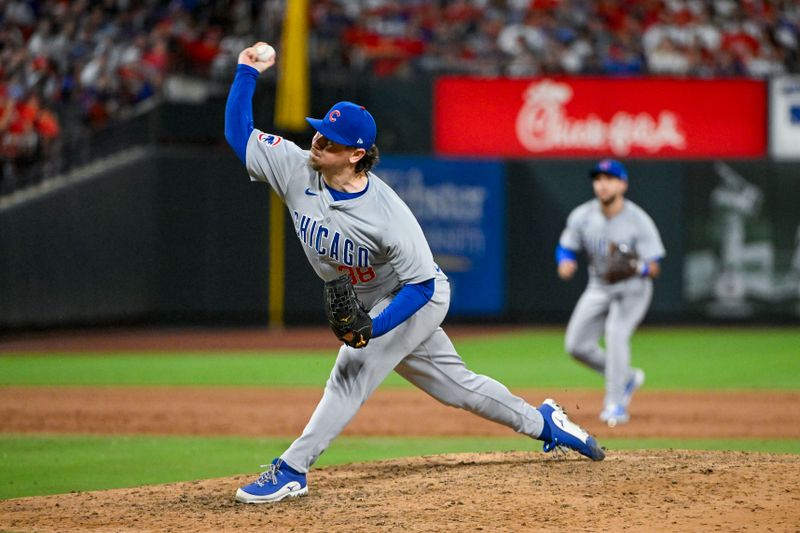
{"x": 645, "y": 118}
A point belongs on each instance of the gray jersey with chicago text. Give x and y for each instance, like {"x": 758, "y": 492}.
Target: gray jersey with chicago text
{"x": 589, "y": 230}
{"x": 374, "y": 238}
{"x": 613, "y": 311}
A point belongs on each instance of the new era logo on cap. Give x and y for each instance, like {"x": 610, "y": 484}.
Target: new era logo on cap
{"x": 348, "y": 124}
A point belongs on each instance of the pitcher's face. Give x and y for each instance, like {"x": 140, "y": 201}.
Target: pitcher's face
{"x": 327, "y": 155}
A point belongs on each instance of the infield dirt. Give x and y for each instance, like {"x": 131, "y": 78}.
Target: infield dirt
{"x": 659, "y": 490}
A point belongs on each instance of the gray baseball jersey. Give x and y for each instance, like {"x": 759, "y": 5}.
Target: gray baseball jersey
{"x": 589, "y": 230}
{"x": 376, "y": 239}
{"x": 610, "y": 310}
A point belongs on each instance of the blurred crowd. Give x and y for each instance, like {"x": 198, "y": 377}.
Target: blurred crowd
{"x": 698, "y": 38}
{"x": 71, "y": 67}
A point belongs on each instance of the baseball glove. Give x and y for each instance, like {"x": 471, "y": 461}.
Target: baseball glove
{"x": 348, "y": 319}
{"x": 622, "y": 263}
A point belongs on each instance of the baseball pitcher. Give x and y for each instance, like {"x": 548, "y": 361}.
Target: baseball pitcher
{"x": 385, "y": 297}
{"x": 624, "y": 250}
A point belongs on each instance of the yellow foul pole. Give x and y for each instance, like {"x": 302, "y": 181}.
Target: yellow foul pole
{"x": 291, "y": 108}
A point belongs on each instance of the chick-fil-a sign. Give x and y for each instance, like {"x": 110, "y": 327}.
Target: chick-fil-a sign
{"x": 595, "y": 117}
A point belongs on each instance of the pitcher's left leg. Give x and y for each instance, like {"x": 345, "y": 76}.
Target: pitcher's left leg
{"x": 436, "y": 368}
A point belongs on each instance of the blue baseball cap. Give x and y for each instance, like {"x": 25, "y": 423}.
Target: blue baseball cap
{"x": 612, "y": 167}
{"x": 348, "y": 124}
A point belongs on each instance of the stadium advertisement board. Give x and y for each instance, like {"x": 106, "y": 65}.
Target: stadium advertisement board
{"x": 785, "y": 117}
{"x": 642, "y": 118}
{"x": 460, "y": 206}
{"x": 742, "y": 244}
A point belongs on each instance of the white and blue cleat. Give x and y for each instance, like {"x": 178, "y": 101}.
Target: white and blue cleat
{"x": 565, "y": 433}
{"x": 613, "y": 414}
{"x": 633, "y": 384}
{"x": 279, "y": 481}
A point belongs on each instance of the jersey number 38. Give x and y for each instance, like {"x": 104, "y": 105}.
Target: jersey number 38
{"x": 358, "y": 275}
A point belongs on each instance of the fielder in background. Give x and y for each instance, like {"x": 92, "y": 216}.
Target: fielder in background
{"x": 624, "y": 250}
{"x": 349, "y": 222}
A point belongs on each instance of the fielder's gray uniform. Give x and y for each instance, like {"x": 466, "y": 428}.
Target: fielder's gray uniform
{"x": 610, "y": 310}
{"x": 376, "y": 239}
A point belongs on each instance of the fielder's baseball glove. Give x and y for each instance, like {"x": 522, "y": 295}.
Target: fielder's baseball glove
{"x": 622, "y": 263}
{"x": 348, "y": 319}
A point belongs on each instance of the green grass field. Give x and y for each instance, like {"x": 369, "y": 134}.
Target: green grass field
{"x": 698, "y": 359}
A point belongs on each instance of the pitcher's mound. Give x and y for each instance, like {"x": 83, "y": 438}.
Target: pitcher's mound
{"x": 515, "y": 491}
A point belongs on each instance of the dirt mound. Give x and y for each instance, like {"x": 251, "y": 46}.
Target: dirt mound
{"x": 642, "y": 490}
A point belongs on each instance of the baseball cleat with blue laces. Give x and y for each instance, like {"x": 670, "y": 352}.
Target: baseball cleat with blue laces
{"x": 279, "y": 481}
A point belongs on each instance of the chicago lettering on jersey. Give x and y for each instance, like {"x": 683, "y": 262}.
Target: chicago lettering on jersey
{"x": 333, "y": 244}
{"x": 598, "y": 246}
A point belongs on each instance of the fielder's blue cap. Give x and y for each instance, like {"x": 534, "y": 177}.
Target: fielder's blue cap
{"x": 348, "y": 124}
{"x": 612, "y": 167}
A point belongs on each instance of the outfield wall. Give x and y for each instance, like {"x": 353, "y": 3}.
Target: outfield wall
{"x": 180, "y": 236}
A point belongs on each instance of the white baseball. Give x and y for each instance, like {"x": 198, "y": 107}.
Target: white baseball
{"x": 264, "y": 52}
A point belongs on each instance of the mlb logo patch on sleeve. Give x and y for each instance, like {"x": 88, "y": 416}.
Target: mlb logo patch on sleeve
{"x": 269, "y": 139}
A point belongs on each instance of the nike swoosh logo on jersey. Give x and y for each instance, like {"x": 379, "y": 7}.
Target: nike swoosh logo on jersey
{"x": 308, "y": 192}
